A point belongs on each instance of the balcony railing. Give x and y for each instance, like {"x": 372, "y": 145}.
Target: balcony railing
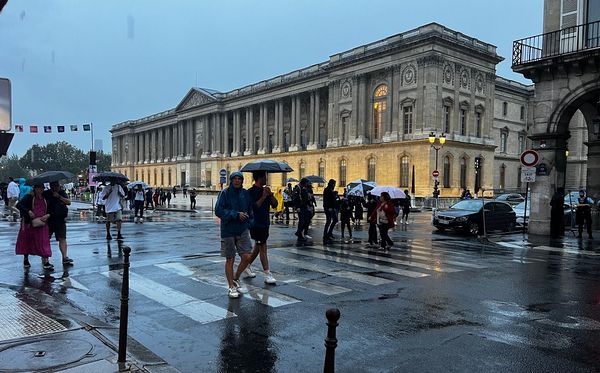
{"x": 568, "y": 40}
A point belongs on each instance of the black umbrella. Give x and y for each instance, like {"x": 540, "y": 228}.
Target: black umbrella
{"x": 110, "y": 176}
{"x": 291, "y": 180}
{"x": 315, "y": 179}
{"x": 50, "y": 176}
{"x": 266, "y": 165}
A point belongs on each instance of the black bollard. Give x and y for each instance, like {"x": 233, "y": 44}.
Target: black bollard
{"x": 124, "y": 307}
{"x": 333, "y": 315}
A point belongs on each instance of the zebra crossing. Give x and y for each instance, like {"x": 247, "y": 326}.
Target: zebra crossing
{"x": 303, "y": 273}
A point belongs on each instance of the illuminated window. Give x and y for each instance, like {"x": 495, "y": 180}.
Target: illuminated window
{"x": 404, "y": 171}
{"x": 379, "y": 110}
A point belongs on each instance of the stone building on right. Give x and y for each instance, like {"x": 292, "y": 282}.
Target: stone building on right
{"x": 564, "y": 64}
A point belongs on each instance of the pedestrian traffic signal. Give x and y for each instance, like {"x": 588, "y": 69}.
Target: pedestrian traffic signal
{"x": 477, "y": 163}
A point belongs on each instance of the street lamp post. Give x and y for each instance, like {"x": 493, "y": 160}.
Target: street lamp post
{"x": 441, "y": 139}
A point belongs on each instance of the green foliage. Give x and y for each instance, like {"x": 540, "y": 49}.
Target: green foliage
{"x": 11, "y": 166}
{"x": 61, "y": 156}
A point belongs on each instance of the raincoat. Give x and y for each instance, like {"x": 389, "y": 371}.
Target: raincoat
{"x": 230, "y": 203}
{"x": 23, "y": 189}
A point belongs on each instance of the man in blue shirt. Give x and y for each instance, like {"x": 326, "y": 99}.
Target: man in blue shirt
{"x": 234, "y": 208}
{"x": 263, "y": 200}
{"x": 583, "y": 213}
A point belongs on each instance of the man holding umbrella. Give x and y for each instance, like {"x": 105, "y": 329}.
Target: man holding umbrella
{"x": 58, "y": 201}
{"x": 112, "y": 195}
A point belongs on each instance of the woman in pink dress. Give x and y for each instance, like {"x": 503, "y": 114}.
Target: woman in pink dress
{"x": 34, "y": 240}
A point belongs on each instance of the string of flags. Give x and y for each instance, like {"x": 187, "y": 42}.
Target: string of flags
{"x": 34, "y": 128}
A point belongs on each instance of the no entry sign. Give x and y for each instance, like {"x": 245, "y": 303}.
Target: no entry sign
{"x": 435, "y": 173}
{"x": 530, "y": 158}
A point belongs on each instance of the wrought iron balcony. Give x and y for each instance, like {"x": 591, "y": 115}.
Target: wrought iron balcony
{"x": 569, "y": 40}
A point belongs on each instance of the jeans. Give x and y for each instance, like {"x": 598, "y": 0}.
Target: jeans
{"x": 331, "y": 220}
{"x": 139, "y": 206}
{"x": 372, "y": 233}
{"x": 385, "y": 237}
{"x": 303, "y": 221}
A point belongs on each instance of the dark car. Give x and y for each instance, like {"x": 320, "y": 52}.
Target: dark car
{"x": 467, "y": 216}
{"x": 511, "y": 198}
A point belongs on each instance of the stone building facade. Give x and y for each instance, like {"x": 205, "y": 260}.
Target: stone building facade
{"x": 364, "y": 113}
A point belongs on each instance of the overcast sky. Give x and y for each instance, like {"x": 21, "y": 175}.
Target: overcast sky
{"x": 74, "y": 61}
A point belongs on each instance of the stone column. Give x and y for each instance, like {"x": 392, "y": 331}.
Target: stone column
{"x": 146, "y": 146}
{"x": 225, "y": 123}
{"x": 205, "y": 136}
{"x": 396, "y": 112}
{"x": 249, "y": 131}
{"x": 216, "y": 125}
{"x": 236, "y": 134}
{"x": 278, "y": 127}
{"x": 294, "y": 124}
{"x": 353, "y": 130}
{"x": 333, "y": 139}
{"x": 363, "y": 110}
{"x": 593, "y": 168}
{"x": 261, "y": 129}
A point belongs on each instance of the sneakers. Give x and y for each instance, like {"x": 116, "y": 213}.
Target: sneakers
{"x": 26, "y": 263}
{"x": 67, "y": 261}
{"x": 248, "y": 272}
{"x": 239, "y": 287}
{"x": 233, "y": 293}
{"x": 48, "y": 265}
{"x": 141, "y": 220}
{"x": 269, "y": 279}
{"x": 307, "y": 237}
{"x": 401, "y": 221}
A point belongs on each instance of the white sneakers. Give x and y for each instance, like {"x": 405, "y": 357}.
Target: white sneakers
{"x": 248, "y": 272}
{"x": 269, "y": 279}
{"x": 233, "y": 293}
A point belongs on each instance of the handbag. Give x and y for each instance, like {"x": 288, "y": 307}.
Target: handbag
{"x": 381, "y": 217}
{"x": 37, "y": 222}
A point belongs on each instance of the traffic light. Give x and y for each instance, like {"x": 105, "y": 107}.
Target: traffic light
{"x": 477, "y": 163}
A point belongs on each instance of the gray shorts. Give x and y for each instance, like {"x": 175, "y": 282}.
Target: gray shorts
{"x": 115, "y": 216}
{"x": 240, "y": 244}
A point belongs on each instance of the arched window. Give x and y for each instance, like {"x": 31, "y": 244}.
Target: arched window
{"x": 446, "y": 180}
{"x": 371, "y": 169}
{"x": 322, "y": 171}
{"x": 343, "y": 172}
{"x": 463, "y": 173}
{"x": 136, "y": 175}
{"x": 404, "y": 171}
{"x": 162, "y": 177}
{"x": 169, "y": 178}
{"x": 155, "y": 177}
{"x": 302, "y": 169}
{"x": 379, "y": 110}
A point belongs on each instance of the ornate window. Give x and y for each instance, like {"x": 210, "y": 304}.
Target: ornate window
{"x": 343, "y": 172}
{"x": 136, "y": 175}
{"x": 321, "y": 171}
{"x": 379, "y": 110}
{"x": 463, "y": 173}
{"x": 446, "y": 119}
{"x": 344, "y": 129}
{"x": 404, "y": 171}
{"x": 407, "y": 115}
{"x": 446, "y": 176}
{"x": 371, "y": 169}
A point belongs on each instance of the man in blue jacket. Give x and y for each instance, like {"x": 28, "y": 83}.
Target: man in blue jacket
{"x": 234, "y": 208}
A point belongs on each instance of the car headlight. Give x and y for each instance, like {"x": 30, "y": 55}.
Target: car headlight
{"x": 461, "y": 219}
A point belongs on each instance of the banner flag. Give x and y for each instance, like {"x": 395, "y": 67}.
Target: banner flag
{"x": 60, "y": 129}
{"x": 47, "y": 129}
{"x": 86, "y": 127}
{"x": 73, "y": 128}
{"x": 33, "y": 129}
{"x": 18, "y": 128}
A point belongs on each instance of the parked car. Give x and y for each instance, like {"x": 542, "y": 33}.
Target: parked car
{"x": 511, "y": 198}
{"x": 467, "y": 216}
{"x": 520, "y": 209}
{"x": 572, "y": 200}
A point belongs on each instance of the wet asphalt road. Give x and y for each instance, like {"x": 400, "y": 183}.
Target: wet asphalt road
{"x": 436, "y": 302}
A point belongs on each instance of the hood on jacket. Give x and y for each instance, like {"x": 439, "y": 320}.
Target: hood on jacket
{"x": 234, "y": 174}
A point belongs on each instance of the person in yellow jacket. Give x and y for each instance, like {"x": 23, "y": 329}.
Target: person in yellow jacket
{"x": 278, "y": 211}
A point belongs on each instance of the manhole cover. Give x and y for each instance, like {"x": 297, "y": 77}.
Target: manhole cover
{"x": 44, "y": 354}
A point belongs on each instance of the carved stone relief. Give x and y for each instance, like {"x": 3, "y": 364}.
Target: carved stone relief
{"x": 409, "y": 75}
{"x": 195, "y": 99}
{"x": 346, "y": 90}
{"x": 448, "y": 74}
{"x": 465, "y": 79}
{"x": 479, "y": 83}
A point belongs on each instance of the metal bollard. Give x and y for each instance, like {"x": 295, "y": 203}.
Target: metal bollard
{"x": 124, "y": 307}
{"x": 332, "y": 315}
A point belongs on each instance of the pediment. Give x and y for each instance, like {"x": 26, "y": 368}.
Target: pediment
{"x": 195, "y": 97}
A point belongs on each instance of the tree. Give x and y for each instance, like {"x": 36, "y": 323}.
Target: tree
{"x": 103, "y": 160}
{"x": 11, "y": 167}
{"x": 55, "y": 156}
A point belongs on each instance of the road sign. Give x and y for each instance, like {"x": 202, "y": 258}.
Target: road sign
{"x": 529, "y": 158}
{"x": 435, "y": 173}
{"x": 223, "y": 180}
{"x": 223, "y": 172}
{"x": 528, "y": 174}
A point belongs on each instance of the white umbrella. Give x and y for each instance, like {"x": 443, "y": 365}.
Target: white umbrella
{"x": 394, "y": 192}
{"x": 360, "y": 187}
{"x": 134, "y": 184}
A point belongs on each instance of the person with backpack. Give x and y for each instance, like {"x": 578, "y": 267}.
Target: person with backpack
{"x": 329, "y": 206}
{"x": 346, "y": 216}
{"x": 57, "y": 201}
{"x": 302, "y": 202}
{"x": 287, "y": 201}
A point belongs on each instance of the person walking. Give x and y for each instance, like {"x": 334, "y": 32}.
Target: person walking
{"x": 278, "y": 210}
{"x": 358, "y": 203}
{"x": 174, "y": 192}
{"x": 58, "y": 201}
{"x": 345, "y": 217}
{"x": 100, "y": 213}
{"x": 168, "y": 196}
{"x": 185, "y": 192}
{"x": 138, "y": 200}
{"x": 262, "y": 199}
{"x": 329, "y": 205}
{"x": 112, "y": 195}
{"x": 371, "y": 206}
{"x": 234, "y": 208}
{"x": 193, "y": 194}
{"x": 149, "y": 200}
{"x": 583, "y": 213}
{"x": 287, "y": 201}
{"x": 303, "y": 201}
{"x": 33, "y": 237}
{"x": 557, "y": 213}
{"x": 405, "y": 208}
{"x": 385, "y": 217}
{"x": 12, "y": 193}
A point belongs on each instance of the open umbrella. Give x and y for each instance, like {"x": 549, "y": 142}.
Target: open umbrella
{"x": 394, "y": 192}
{"x": 50, "y": 176}
{"x": 266, "y": 165}
{"x": 109, "y": 176}
{"x": 291, "y": 180}
{"x": 315, "y": 179}
{"x": 134, "y": 184}
{"x": 360, "y": 187}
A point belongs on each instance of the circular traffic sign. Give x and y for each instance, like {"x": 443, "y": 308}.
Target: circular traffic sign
{"x": 435, "y": 173}
{"x": 223, "y": 172}
{"x": 530, "y": 158}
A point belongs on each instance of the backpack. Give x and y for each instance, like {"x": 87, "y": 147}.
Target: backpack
{"x": 296, "y": 199}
